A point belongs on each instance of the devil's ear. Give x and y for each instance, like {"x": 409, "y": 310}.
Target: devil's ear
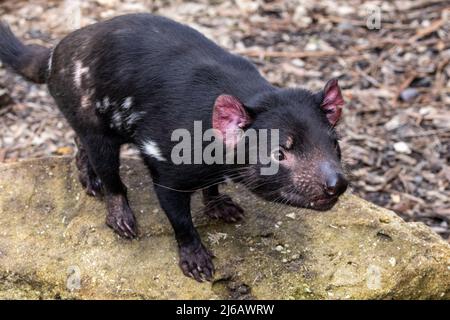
{"x": 332, "y": 101}
{"x": 229, "y": 118}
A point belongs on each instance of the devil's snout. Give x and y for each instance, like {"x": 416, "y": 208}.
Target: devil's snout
{"x": 335, "y": 182}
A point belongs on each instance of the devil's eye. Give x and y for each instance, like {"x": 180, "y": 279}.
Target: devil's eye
{"x": 278, "y": 155}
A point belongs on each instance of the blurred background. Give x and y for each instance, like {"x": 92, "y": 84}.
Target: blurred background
{"x": 392, "y": 59}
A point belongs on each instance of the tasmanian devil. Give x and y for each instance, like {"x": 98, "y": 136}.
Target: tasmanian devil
{"x": 138, "y": 78}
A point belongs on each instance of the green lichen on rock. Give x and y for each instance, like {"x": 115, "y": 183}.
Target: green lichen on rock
{"x": 54, "y": 244}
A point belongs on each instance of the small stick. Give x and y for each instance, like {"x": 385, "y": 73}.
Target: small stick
{"x": 283, "y": 54}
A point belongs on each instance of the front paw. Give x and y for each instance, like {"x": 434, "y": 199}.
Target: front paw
{"x": 196, "y": 262}
{"x": 224, "y": 208}
{"x": 121, "y": 218}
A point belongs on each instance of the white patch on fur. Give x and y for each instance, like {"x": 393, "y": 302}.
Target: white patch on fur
{"x": 85, "y": 101}
{"x": 127, "y": 103}
{"x": 150, "y": 148}
{"x": 103, "y": 106}
{"x": 79, "y": 72}
{"x": 132, "y": 118}
{"x": 86, "y": 98}
{"x": 106, "y": 102}
{"x": 116, "y": 120}
{"x": 50, "y": 61}
{"x": 99, "y": 107}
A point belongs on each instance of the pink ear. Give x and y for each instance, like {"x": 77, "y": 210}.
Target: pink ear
{"x": 332, "y": 101}
{"x": 229, "y": 115}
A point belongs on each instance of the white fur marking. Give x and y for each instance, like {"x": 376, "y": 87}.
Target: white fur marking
{"x": 50, "y": 62}
{"x": 151, "y": 148}
{"x": 78, "y": 73}
{"x": 85, "y": 101}
{"x": 100, "y": 107}
{"x": 117, "y": 120}
{"x": 127, "y": 103}
{"x": 106, "y": 102}
{"x": 86, "y": 98}
{"x": 132, "y": 118}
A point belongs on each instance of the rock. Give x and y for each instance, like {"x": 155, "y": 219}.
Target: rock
{"x": 396, "y": 122}
{"x": 291, "y": 215}
{"x": 301, "y": 17}
{"x": 402, "y": 147}
{"x": 408, "y": 94}
{"x": 54, "y": 244}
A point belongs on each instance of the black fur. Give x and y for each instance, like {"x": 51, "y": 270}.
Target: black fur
{"x": 11, "y": 48}
{"x": 30, "y": 61}
{"x": 174, "y": 75}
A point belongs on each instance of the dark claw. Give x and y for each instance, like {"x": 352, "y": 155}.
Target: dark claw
{"x": 209, "y": 272}
{"x": 118, "y": 227}
{"x": 130, "y": 229}
{"x": 124, "y": 229}
{"x": 196, "y": 275}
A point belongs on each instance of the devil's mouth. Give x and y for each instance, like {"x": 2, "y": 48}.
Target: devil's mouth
{"x": 319, "y": 203}
{"x": 323, "y": 204}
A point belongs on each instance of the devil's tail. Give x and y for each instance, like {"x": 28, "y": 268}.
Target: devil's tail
{"x": 30, "y": 61}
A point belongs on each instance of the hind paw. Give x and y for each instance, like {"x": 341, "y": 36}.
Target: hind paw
{"x": 224, "y": 208}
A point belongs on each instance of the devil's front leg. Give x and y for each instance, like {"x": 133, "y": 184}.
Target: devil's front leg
{"x": 195, "y": 258}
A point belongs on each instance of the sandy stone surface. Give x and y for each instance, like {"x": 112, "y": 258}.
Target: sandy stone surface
{"x": 54, "y": 244}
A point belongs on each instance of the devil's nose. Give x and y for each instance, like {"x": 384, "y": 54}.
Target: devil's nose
{"x": 335, "y": 184}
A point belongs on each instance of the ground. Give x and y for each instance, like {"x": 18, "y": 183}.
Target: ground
{"x": 395, "y": 78}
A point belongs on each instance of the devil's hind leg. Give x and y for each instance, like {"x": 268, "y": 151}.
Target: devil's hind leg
{"x": 86, "y": 174}
{"x": 103, "y": 155}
